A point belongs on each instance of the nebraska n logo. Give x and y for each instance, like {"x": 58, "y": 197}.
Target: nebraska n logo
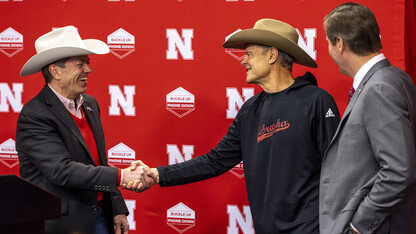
{"x": 309, "y": 45}
{"x": 237, "y": 219}
{"x": 125, "y": 101}
{"x": 175, "y": 44}
{"x": 176, "y": 156}
{"x": 235, "y": 101}
{"x": 11, "y": 97}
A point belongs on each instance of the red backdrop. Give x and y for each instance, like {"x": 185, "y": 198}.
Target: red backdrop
{"x": 163, "y": 89}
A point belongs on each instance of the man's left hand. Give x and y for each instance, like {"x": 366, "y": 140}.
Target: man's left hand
{"x": 121, "y": 223}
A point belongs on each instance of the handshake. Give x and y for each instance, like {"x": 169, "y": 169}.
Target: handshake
{"x": 139, "y": 177}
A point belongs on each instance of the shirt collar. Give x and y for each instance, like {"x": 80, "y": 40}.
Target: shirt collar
{"x": 69, "y": 103}
{"x": 365, "y": 68}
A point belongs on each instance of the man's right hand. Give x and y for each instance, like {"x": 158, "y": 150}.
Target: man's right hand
{"x": 139, "y": 177}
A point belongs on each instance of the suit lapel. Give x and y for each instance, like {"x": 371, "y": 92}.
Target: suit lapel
{"x": 59, "y": 110}
{"x": 381, "y": 64}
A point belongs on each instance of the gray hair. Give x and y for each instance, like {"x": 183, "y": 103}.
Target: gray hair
{"x": 286, "y": 60}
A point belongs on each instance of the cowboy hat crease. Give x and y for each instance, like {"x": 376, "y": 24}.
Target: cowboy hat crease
{"x": 273, "y": 33}
{"x": 61, "y": 43}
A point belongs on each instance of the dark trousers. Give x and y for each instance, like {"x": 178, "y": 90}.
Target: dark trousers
{"x": 101, "y": 225}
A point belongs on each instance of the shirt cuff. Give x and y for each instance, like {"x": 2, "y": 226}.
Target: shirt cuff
{"x": 119, "y": 177}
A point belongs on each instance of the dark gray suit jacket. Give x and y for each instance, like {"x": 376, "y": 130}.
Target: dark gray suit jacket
{"x": 54, "y": 155}
{"x": 369, "y": 169}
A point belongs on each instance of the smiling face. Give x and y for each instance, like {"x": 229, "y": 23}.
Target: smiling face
{"x": 256, "y": 63}
{"x": 72, "y": 78}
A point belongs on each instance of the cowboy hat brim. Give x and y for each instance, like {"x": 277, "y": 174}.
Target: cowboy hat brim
{"x": 38, "y": 61}
{"x": 263, "y": 37}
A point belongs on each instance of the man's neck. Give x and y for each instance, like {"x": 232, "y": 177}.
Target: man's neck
{"x": 59, "y": 90}
{"x": 357, "y": 61}
{"x": 279, "y": 80}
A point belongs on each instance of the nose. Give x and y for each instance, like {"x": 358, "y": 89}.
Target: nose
{"x": 87, "y": 68}
{"x": 244, "y": 61}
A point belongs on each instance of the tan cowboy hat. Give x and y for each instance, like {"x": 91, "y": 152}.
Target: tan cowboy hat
{"x": 61, "y": 43}
{"x": 272, "y": 33}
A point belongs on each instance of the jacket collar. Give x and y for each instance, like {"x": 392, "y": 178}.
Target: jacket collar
{"x": 59, "y": 110}
{"x": 377, "y": 66}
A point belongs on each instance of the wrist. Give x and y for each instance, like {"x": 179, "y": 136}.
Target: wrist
{"x": 120, "y": 177}
{"x": 156, "y": 175}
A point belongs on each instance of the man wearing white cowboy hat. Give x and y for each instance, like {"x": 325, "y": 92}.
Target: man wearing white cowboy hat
{"x": 280, "y": 135}
{"x": 60, "y": 139}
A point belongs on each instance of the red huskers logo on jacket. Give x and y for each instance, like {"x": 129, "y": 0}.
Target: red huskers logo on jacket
{"x": 268, "y": 131}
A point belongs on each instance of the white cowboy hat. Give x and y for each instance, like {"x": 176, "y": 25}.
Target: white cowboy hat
{"x": 272, "y": 33}
{"x": 61, "y": 43}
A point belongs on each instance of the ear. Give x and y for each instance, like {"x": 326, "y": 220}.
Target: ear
{"x": 273, "y": 54}
{"x": 340, "y": 45}
{"x": 54, "y": 70}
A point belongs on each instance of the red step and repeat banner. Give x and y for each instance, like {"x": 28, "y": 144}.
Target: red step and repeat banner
{"x": 168, "y": 90}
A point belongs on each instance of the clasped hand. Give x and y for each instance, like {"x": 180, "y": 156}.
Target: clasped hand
{"x": 139, "y": 177}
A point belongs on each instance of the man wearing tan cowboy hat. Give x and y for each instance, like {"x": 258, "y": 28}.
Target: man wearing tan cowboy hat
{"x": 280, "y": 135}
{"x": 60, "y": 140}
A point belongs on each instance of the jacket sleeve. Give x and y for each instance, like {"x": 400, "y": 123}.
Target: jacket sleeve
{"x": 42, "y": 149}
{"x": 118, "y": 204}
{"x": 388, "y": 123}
{"x": 225, "y": 156}
{"x": 325, "y": 122}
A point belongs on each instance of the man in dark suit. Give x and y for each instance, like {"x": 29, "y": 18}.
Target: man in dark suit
{"x": 60, "y": 139}
{"x": 369, "y": 170}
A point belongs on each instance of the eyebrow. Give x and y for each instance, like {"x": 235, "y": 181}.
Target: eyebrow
{"x": 82, "y": 60}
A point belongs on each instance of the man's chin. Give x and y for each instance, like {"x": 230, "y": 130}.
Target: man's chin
{"x": 249, "y": 81}
{"x": 83, "y": 90}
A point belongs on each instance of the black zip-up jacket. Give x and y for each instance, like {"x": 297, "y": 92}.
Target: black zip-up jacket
{"x": 281, "y": 139}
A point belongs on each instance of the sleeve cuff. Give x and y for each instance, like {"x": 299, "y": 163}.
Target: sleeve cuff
{"x": 119, "y": 176}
